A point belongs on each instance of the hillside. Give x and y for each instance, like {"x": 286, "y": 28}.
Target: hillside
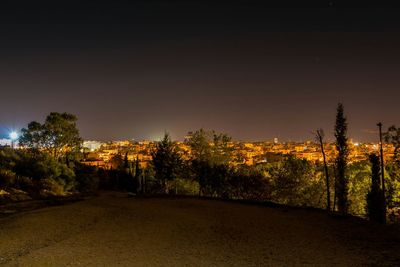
{"x": 114, "y": 230}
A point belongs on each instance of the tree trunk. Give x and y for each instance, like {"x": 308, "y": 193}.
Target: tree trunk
{"x": 328, "y": 194}
{"x": 334, "y": 193}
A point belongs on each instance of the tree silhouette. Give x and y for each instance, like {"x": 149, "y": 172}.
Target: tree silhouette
{"x": 138, "y": 173}
{"x": 58, "y": 135}
{"x": 341, "y": 183}
{"x": 375, "y": 198}
{"x": 210, "y": 158}
{"x": 200, "y": 145}
{"x": 126, "y": 162}
{"x": 320, "y": 136}
{"x": 393, "y": 136}
{"x": 166, "y": 161}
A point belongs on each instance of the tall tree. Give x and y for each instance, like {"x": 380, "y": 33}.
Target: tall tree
{"x": 166, "y": 161}
{"x": 375, "y": 198}
{"x": 138, "y": 173}
{"x": 58, "y": 135}
{"x": 341, "y": 183}
{"x": 320, "y": 137}
{"x": 126, "y": 162}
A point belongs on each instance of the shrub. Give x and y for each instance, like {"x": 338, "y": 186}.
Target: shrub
{"x": 87, "y": 178}
{"x": 247, "y": 183}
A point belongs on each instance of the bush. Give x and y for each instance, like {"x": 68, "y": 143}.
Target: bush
{"x": 87, "y": 178}
{"x": 185, "y": 186}
{"x": 7, "y": 178}
{"x": 296, "y": 182}
{"x": 35, "y": 172}
{"x": 51, "y": 187}
{"x": 247, "y": 183}
{"x": 359, "y": 183}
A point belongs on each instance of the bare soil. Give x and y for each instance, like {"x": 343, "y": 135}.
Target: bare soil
{"x": 113, "y": 229}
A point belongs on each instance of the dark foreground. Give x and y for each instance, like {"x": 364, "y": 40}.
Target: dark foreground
{"x": 114, "y": 230}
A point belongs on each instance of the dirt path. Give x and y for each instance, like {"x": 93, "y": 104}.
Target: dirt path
{"x": 114, "y": 230}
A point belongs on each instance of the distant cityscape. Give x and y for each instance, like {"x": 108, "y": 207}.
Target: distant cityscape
{"x": 243, "y": 152}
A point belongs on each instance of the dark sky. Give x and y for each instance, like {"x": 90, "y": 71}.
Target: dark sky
{"x": 132, "y": 69}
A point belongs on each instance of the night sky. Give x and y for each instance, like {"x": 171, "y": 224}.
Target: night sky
{"x": 133, "y": 69}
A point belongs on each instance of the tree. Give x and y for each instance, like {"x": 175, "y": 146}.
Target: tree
{"x": 211, "y": 154}
{"x": 58, "y": 135}
{"x": 126, "y": 163}
{"x": 117, "y": 162}
{"x": 341, "y": 183}
{"x": 392, "y": 184}
{"x": 217, "y": 182}
{"x": 359, "y": 182}
{"x": 295, "y": 182}
{"x": 221, "y": 150}
{"x": 211, "y": 146}
{"x": 33, "y": 136}
{"x": 393, "y": 136}
{"x": 45, "y": 171}
{"x": 320, "y": 136}
{"x": 375, "y": 199}
{"x": 393, "y": 168}
{"x": 200, "y": 145}
{"x": 249, "y": 183}
{"x": 138, "y": 173}
{"x": 166, "y": 161}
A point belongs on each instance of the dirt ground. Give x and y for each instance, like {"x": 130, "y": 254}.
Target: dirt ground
{"x": 115, "y": 230}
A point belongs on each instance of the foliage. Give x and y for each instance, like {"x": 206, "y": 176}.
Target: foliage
{"x": 393, "y": 136}
{"x": 221, "y": 150}
{"x": 58, "y": 135}
{"x": 200, "y": 145}
{"x": 392, "y": 183}
{"x": 185, "y": 186}
{"x": 216, "y": 181}
{"x": 202, "y": 172}
{"x": 117, "y": 162}
{"x": 359, "y": 183}
{"x": 166, "y": 161}
{"x": 296, "y": 182}
{"x": 375, "y": 199}
{"x": 249, "y": 183}
{"x": 211, "y": 146}
{"x": 211, "y": 155}
{"x": 87, "y": 178}
{"x": 35, "y": 171}
{"x": 151, "y": 184}
{"x": 341, "y": 182}
{"x": 209, "y": 170}
{"x": 393, "y": 169}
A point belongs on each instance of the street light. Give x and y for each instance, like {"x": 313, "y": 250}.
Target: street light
{"x": 13, "y": 137}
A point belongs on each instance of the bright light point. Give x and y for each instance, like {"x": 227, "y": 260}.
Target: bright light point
{"x": 13, "y": 135}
